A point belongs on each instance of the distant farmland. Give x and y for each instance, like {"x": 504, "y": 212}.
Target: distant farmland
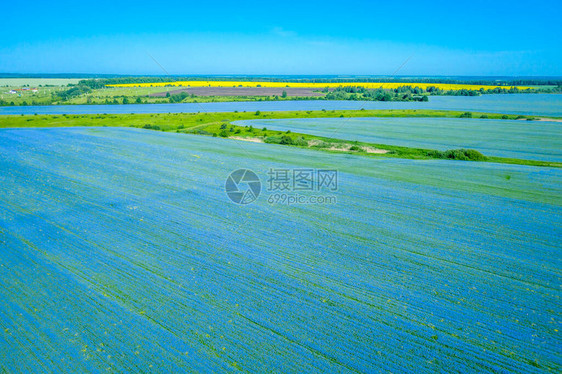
{"x": 244, "y": 91}
{"x": 441, "y": 86}
{"x": 19, "y": 82}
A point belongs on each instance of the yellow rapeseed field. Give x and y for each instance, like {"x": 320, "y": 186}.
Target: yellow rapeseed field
{"x": 442, "y": 86}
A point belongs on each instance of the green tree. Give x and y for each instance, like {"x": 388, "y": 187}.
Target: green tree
{"x": 286, "y": 140}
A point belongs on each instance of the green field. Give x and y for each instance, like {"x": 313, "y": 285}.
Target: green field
{"x": 115, "y": 95}
{"x": 127, "y": 227}
{"x": 100, "y": 96}
{"x": 44, "y": 96}
{"x": 120, "y": 252}
{"x": 171, "y": 121}
{"x": 220, "y": 124}
{"x": 533, "y": 140}
{"x": 106, "y": 95}
{"x": 49, "y": 86}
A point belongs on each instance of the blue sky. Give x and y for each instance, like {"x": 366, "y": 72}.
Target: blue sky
{"x": 283, "y": 37}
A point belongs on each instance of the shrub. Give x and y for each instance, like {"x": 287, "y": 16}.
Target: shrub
{"x": 458, "y": 154}
{"x": 178, "y": 98}
{"x": 287, "y": 140}
{"x": 483, "y": 116}
{"x": 473, "y": 155}
{"x": 466, "y": 115}
{"x": 464, "y": 155}
{"x": 355, "y": 148}
{"x": 273, "y": 139}
{"x": 223, "y": 134}
{"x": 322, "y": 144}
{"x": 300, "y": 141}
{"x": 73, "y": 92}
{"x": 201, "y": 132}
{"x": 505, "y": 117}
{"x": 151, "y": 127}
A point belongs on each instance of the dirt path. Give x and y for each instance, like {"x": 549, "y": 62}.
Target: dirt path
{"x": 542, "y": 119}
{"x": 253, "y": 140}
{"x": 344, "y": 147}
{"x": 548, "y": 120}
